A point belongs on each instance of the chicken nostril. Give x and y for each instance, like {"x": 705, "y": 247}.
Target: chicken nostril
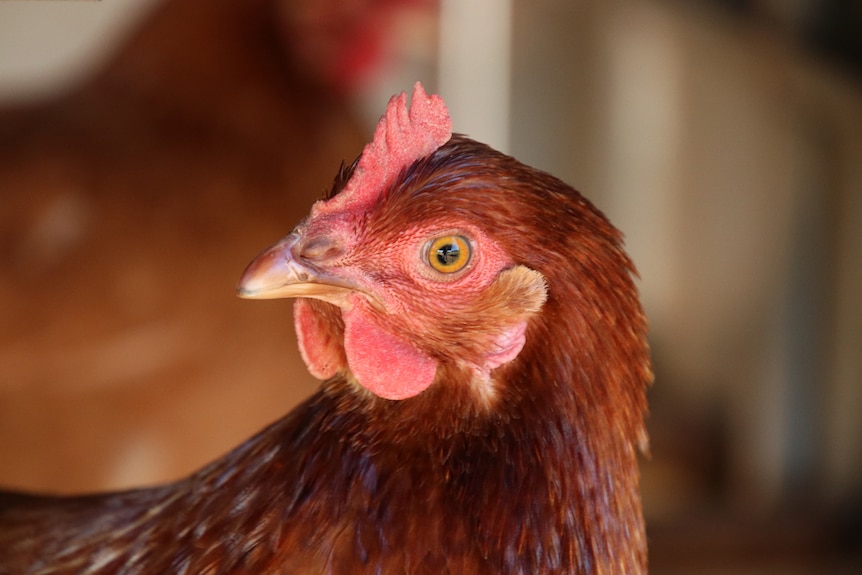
{"x": 321, "y": 248}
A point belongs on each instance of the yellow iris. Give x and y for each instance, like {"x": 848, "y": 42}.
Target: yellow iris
{"x": 448, "y": 254}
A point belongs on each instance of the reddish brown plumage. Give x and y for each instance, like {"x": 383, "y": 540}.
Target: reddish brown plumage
{"x": 543, "y": 480}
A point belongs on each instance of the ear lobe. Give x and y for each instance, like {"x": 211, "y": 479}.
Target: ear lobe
{"x": 521, "y": 293}
{"x": 506, "y": 346}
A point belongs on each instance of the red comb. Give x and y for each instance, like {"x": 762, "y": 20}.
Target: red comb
{"x": 402, "y": 136}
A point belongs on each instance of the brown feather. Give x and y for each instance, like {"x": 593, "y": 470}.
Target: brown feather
{"x": 543, "y": 481}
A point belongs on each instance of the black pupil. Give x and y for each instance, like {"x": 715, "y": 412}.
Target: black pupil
{"x": 448, "y": 254}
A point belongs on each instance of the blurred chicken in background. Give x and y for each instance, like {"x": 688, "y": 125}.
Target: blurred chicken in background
{"x": 130, "y": 203}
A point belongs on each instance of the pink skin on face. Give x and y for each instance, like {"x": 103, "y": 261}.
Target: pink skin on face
{"x": 397, "y": 299}
{"x": 399, "y": 296}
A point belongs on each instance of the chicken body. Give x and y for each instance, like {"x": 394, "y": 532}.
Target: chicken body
{"x": 486, "y": 366}
{"x": 323, "y": 491}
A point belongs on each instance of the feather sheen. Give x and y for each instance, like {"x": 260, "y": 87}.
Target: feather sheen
{"x": 537, "y": 474}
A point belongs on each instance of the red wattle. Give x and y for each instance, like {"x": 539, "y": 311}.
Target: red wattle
{"x": 384, "y": 364}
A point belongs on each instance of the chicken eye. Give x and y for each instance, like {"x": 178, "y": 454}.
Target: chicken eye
{"x": 448, "y": 254}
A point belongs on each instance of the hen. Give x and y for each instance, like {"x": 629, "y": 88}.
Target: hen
{"x": 485, "y": 364}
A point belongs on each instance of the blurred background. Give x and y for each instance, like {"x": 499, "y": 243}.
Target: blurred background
{"x": 148, "y": 150}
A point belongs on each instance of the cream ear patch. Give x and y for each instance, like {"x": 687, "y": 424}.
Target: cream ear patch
{"x": 524, "y": 290}
{"x": 498, "y": 331}
{"x": 521, "y": 292}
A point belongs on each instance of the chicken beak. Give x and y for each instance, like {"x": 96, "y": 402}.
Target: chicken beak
{"x": 276, "y": 273}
